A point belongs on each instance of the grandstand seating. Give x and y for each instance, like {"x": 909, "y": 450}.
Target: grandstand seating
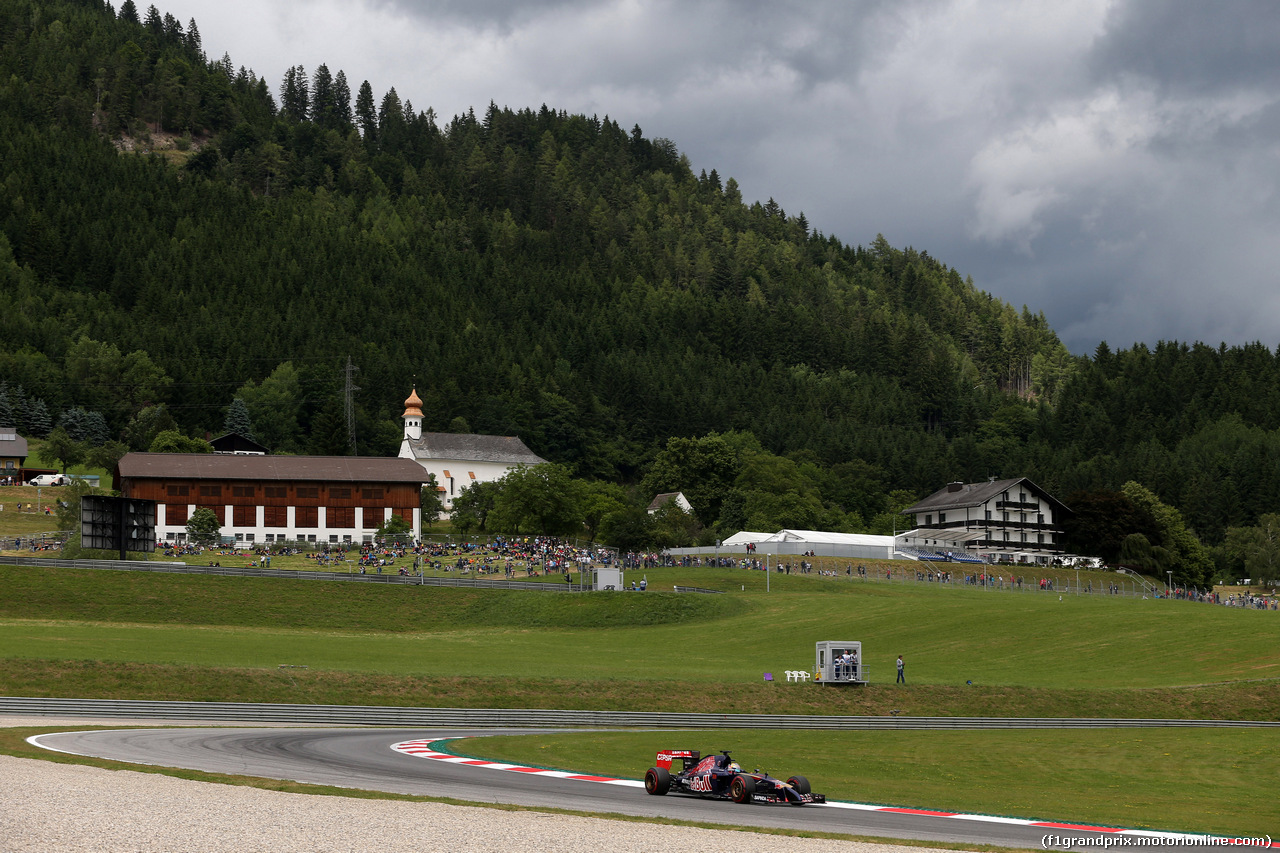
{"x": 940, "y": 557}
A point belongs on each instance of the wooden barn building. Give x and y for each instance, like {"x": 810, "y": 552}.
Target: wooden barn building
{"x": 262, "y": 499}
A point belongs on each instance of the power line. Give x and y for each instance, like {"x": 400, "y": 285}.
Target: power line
{"x": 348, "y": 391}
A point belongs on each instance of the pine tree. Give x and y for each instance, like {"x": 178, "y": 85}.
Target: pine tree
{"x": 8, "y": 418}
{"x": 39, "y": 423}
{"x": 173, "y": 30}
{"x": 341, "y": 102}
{"x": 322, "y": 101}
{"x": 129, "y": 12}
{"x": 365, "y": 114}
{"x": 95, "y": 430}
{"x": 72, "y": 422}
{"x": 193, "y": 39}
{"x": 238, "y": 421}
{"x": 294, "y": 93}
{"x": 390, "y": 122}
{"x": 21, "y": 404}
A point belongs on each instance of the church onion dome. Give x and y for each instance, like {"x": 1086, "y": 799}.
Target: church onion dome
{"x": 413, "y": 406}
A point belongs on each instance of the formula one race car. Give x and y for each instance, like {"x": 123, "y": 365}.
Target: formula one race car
{"x": 720, "y": 777}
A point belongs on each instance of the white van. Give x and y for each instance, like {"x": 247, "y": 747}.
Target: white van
{"x": 49, "y": 480}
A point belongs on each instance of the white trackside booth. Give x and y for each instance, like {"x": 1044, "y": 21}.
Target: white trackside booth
{"x": 606, "y": 578}
{"x": 839, "y": 662}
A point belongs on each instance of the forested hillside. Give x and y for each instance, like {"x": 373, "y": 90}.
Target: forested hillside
{"x": 557, "y": 277}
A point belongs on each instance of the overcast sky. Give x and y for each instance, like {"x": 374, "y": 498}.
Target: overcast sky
{"x": 1112, "y": 163}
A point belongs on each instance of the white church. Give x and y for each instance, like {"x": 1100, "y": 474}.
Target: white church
{"x": 459, "y": 460}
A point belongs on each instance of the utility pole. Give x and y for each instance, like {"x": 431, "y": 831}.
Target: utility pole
{"x": 348, "y": 390}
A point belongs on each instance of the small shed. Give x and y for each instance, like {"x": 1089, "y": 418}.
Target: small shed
{"x": 839, "y": 662}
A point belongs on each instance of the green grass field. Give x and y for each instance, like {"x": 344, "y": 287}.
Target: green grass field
{"x": 31, "y": 519}
{"x": 135, "y": 635}
{"x": 949, "y": 635}
{"x": 1204, "y": 780}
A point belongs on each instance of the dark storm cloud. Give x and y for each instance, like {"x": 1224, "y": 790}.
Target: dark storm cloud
{"x": 1192, "y": 46}
{"x": 1109, "y": 162}
{"x": 484, "y": 14}
{"x": 817, "y": 40}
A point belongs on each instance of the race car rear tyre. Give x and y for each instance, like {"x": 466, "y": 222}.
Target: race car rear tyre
{"x": 657, "y": 781}
{"x": 742, "y": 789}
{"x": 801, "y": 784}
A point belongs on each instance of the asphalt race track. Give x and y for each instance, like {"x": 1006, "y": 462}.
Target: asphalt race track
{"x": 364, "y": 758}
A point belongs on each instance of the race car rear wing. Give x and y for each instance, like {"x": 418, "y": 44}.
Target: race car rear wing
{"x": 688, "y": 758}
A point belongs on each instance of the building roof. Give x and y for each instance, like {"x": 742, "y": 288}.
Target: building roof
{"x": 505, "y": 449}
{"x": 742, "y": 537}
{"x": 234, "y": 442}
{"x": 822, "y": 537}
{"x": 963, "y": 495}
{"x": 12, "y": 444}
{"x": 220, "y": 466}
{"x": 663, "y": 499}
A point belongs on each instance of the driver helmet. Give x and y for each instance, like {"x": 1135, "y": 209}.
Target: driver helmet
{"x": 733, "y": 767}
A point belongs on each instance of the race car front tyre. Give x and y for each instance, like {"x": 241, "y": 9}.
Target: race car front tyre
{"x": 742, "y": 789}
{"x": 801, "y": 784}
{"x": 657, "y": 781}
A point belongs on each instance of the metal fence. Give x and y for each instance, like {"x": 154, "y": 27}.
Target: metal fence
{"x": 933, "y": 574}
{"x": 357, "y": 715}
{"x": 996, "y": 577}
{"x": 239, "y": 571}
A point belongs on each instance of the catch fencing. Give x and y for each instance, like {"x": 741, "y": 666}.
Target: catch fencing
{"x": 245, "y": 572}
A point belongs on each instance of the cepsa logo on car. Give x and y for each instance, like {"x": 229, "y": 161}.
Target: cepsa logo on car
{"x": 665, "y": 757}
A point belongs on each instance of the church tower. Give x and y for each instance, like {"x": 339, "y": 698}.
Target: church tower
{"x": 412, "y": 416}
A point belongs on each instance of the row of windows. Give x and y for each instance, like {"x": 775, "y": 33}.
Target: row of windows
{"x": 334, "y": 492}
{"x": 278, "y": 516}
{"x": 179, "y": 536}
{"x": 942, "y": 517}
{"x": 1041, "y": 538}
{"x": 1022, "y": 517}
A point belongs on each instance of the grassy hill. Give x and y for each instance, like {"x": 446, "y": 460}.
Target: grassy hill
{"x": 1026, "y": 653}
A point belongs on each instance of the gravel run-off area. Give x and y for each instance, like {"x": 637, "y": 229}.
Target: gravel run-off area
{"x": 68, "y": 808}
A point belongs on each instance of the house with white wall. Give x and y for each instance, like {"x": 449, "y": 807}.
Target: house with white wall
{"x": 1012, "y": 520}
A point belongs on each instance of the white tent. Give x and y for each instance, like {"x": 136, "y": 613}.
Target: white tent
{"x": 856, "y": 546}
{"x": 744, "y": 537}
{"x": 821, "y": 537}
{"x": 825, "y": 544}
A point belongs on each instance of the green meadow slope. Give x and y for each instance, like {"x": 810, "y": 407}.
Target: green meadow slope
{"x": 1198, "y": 780}
{"x": 75, "y": 633}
